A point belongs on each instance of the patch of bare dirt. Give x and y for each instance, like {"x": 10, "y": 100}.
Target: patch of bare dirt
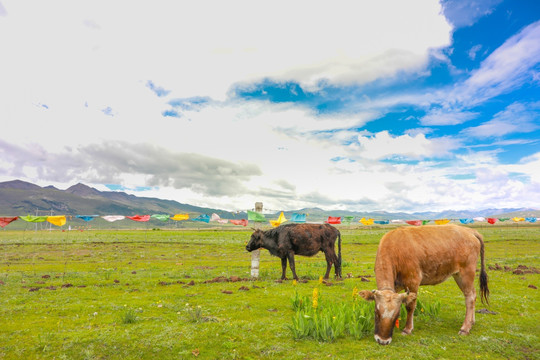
{"x": 519, "y": 270}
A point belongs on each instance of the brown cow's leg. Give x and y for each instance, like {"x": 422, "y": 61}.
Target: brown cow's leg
{"x": 291, "y": 264}
{"x": 410, "y": 307}
{"x": 409, "y": 325}
{"x": 283, "y": 268}
{"x": 465, "y": 281}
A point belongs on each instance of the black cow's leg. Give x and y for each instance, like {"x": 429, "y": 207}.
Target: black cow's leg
{"x": 329, "y": 260}
{"x": 284, "y": 268}
{"x": 291, "y": 264}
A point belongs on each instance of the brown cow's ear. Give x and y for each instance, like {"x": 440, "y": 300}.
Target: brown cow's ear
{"x": 368, "y": 295}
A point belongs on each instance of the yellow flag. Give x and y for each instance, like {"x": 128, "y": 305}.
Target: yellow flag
{"x": 279, "y": 221}
{"x": 366, "y": 222}
{"x": 57, "y": 220}
{"x": 179, "y": 217}
{"x": 442, "y": 222}
{"x": 518, "y": 219}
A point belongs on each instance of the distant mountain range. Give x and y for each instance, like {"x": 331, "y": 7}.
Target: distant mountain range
{"x": 19, "y": 198}
{"x": 22, "y": 198}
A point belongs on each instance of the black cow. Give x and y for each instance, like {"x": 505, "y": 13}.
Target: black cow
{"x": 301, "y": 239}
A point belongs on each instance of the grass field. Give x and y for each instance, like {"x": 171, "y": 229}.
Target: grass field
{"x": 163, "y": 295}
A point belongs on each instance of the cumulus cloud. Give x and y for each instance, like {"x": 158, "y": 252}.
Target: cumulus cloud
{"x": 202, "y": 48}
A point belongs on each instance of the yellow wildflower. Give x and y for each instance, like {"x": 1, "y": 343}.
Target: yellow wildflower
{"x": 315, "y": 298}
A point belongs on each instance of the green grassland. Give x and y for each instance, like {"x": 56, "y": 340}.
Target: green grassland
{"x": 186, "y": 294}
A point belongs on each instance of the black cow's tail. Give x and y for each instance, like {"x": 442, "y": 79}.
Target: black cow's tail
{"x": 484, "y": 290}
{"x": 339, "y": 255}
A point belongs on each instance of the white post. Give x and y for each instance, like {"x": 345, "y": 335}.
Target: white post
{"x": 256, "y": 254}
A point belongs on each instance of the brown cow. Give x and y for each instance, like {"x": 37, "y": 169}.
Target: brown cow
{"x": 301, "y": 239}
{"x": 408, "y": 257}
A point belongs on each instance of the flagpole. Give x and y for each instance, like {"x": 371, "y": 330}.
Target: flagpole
{"x": 256, "y": 254}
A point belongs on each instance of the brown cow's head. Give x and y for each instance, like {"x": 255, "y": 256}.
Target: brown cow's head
{"x": 387, "y": 310}
{"x": 256, "y": 241}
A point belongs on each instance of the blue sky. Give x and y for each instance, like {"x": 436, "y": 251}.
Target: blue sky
{"x": 388, "y": 105}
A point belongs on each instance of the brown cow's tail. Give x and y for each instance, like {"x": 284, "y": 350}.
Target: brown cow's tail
{"x": 484, "y": 290}
{"x": 339, "y": 253}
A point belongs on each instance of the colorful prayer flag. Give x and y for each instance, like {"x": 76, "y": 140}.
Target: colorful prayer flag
{"x": 442, "y": 221}
{"x": 348, "y": 219}
{"x": 86, "y": 217}
{"x": 414, "y": 222}
{"x": 180, "y": 217}
{"x": 4, "y": 221}
{"x": 255, "y": 216}
{"x": 139, "y": 218}
{"x": 242, "y": 222}
{"x": 298, "y": 218}
{"x": 281, "y": 219}
{"x": 203, "y": 218}
{"x": 366, "y": 222}
{"x": 160, "y": 217}
{"x": 112, "y": 218}
{"x": 334, "y": 220}
{"x": 34, "y": 219}
{"x": 59, "y": 220}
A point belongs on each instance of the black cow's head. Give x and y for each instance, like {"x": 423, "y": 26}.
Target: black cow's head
{"x": 256, "y": 241}
{"x": 387, "y": 310}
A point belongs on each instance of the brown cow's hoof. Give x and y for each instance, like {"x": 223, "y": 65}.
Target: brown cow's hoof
{"x": 406, "y": 332}
{"x": 463, "y": 332}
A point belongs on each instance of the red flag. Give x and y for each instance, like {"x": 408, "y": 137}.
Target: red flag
{"x": 6, "y": 220}
{"x": 414, "y": 222}
{"x": 242, "y": 222}
{"x": 492, "y": 220}
{"x": 140, "y": 218}
{"x": 333, "y": 220}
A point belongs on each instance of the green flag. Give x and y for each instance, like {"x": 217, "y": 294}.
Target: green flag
{"x": 348, "y": 219}
{"x": 160, "y": 217}
{"x": 31, "y": 218}
{"x": 255, "y": 216}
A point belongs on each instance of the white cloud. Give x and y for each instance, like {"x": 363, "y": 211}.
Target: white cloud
{"x": 515, "y": 118}
{"x": 473, "y": 51}
{"x": 201, "y": 48}
{"x": 383, "y": 145}
{"x": 447, "y": 117}
{"x": 462, "y": 13}
{"x": 507, "y": 68}
{"x": 80, "y": 86}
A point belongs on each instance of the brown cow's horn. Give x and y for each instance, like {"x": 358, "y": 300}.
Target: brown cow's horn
{"x": 407, "y": 291}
